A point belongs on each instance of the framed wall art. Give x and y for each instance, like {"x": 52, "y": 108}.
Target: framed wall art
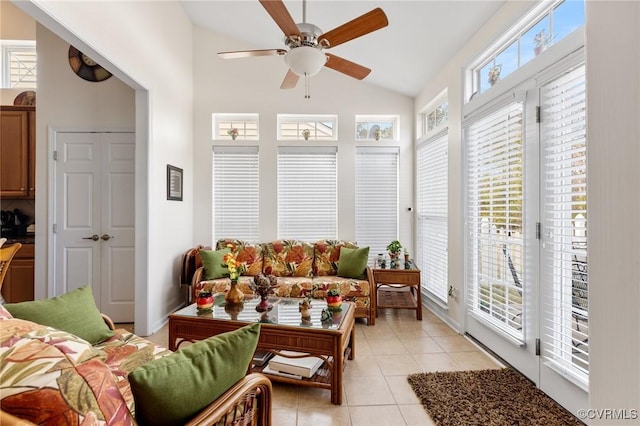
{"x": 174, "y": 183}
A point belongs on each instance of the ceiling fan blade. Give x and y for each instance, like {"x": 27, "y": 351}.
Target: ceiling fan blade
{"x": 290, "y": 80}
{"x": 250, "y": 53}
{"x": 281, "y": 16}
{"x": 346, "y": 67}
{"x": 364, "y": 24}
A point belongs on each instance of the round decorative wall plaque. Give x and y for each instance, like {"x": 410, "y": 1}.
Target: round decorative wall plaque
{"x": 85, "y": 67}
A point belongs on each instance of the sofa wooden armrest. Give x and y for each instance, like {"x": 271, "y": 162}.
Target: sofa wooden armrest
{"x": 250, "y": 400}
{"x": 254, "y": 390}
{"x": 7, "y": 419}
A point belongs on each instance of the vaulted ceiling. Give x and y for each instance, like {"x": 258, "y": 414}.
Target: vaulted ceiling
{"x": 422, "y": 35}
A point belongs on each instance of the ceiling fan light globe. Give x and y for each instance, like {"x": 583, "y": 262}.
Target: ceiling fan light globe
{"x": 305, "y": 60}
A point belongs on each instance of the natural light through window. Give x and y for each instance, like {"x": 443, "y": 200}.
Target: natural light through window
{"x": 542, "y": 30}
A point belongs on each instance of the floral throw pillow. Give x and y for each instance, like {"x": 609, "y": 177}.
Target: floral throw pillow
{"x": 248, "y": 256}
{"x": 288, "y": 258}
{"x": 326, "y": 256}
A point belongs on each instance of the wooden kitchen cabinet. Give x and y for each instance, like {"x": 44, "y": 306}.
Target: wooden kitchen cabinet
{"x": 19, "y": 281}
{"x": 17, "y": 152}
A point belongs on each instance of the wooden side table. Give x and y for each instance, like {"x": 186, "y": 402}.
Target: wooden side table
{"x": 388, "y": 279}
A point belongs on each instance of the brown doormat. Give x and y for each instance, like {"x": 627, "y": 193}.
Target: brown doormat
{"x": 486, "y": 397}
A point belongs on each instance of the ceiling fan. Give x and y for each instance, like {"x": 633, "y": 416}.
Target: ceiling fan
{"x": 306, "y": 42}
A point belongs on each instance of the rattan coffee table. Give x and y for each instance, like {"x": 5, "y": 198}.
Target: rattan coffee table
{"x": 282, "y": 329}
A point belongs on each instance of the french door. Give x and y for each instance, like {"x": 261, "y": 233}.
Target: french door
{"x": 93, "y": 235}
{"x": 526, "y": 232}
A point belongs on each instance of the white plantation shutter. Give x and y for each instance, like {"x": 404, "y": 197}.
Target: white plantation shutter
{"x": 565, "y": 327}
{"x": 432, "y": 213}
{"x": 376, "y": 198}
{"x": 236, "y": 191}
{"x": 495, "y": 205}
{"x": 307, "y": 193}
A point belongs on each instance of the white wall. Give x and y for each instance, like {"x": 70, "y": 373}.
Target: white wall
{"x": 613, "y": 128}
{"x": 148, "y": 45}
{"x": 252, "y": 85}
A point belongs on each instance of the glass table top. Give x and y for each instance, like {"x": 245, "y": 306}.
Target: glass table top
{"x": 283, "y": 312}
{"x": 393, "y": 264}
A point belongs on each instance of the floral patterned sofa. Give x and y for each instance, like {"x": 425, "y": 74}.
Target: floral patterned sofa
{"x": 301, "y": 269}
{"x": 54, "y": 377}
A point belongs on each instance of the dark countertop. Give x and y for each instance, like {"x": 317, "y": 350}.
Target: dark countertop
{"x": 28, "y": 239}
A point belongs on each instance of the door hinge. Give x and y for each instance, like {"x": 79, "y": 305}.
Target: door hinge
{"x": 55, "y": 228}
{"x": 538, "y": 347}
{"x": 538, "y": 230}
{"x": 55, "y": 155}
{"x": 538, "y": 120}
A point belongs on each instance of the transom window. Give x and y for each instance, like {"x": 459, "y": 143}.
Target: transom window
{"x": 435, "y": 115}
{"x": 545, "y": 26}
{"x": 377, "y": 127}
{"x": 307, "y": 127}
{"x": 232, "y": 126}
{"x": 19, "y": 64}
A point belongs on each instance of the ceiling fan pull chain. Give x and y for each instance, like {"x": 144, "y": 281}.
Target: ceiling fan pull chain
{"x": 306, "y": 86}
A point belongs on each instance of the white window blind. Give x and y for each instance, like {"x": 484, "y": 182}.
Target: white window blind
{"x": 432, "y": 213}
{"x": 376, "y": 198}
{"x": 565, "y": 326}
{"x": 236, "y": 190}
{"x": 495, "y": 206}
{"x": 307, "y": 193}
{"x": 19, "y": 64}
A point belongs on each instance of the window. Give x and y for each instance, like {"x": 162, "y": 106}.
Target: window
{"x": 374, "y": 127}
{"x": 19, "y": 65}
{"x": 236, "y": 192}
{"x": 435, "y": 118}
{"x": 243, "y": 126}
{"x": 307, "y": 193}
{"x": 432, "y": 214}
{"x": 376, "y": 197}
{"x": 565, "y": 297}
{"x": 543, "y": 27}
{"x": 308, "y": 127}
{"x": 495, "y": 204}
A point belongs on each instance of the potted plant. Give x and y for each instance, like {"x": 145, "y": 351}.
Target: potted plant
{"x": 233, "y": 133}
{"x": 540, "y": 41}
{"x": 394, "y": 249}
{"x": 494, "y": 74}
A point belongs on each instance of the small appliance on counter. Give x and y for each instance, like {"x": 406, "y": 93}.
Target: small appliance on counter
{"x": 13, "y": 223}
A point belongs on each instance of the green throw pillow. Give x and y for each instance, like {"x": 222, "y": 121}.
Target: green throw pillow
{"x": 212, "y": 262}
{"x": 352, "y": 263}
{"x": 74, "y": 312}
{"x": 174, "y": 389}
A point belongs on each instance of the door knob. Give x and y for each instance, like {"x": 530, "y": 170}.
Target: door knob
{"x": 94, "y": 237}
{"x": 106, "y": 237}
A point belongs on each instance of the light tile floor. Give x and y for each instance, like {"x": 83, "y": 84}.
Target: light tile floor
{"x": 376, "y": 391}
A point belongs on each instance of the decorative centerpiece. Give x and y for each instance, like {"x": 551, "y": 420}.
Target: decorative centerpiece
{"x": 233, "y": 133}
{"x": 263, "y": 286}
{"x": 204, "y": 301}
{"x": 305, "y": 309}
{"x": 334, "y": 300}
{"x": 234, "y": 294}
{"x": 394, "y": 248}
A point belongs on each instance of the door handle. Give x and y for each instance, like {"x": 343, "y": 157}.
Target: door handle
{"x": 94, "y": 237}
{"x": 107, "y": 237}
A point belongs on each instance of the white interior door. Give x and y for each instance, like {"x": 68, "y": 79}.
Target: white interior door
{"x": 94, "y": 218}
